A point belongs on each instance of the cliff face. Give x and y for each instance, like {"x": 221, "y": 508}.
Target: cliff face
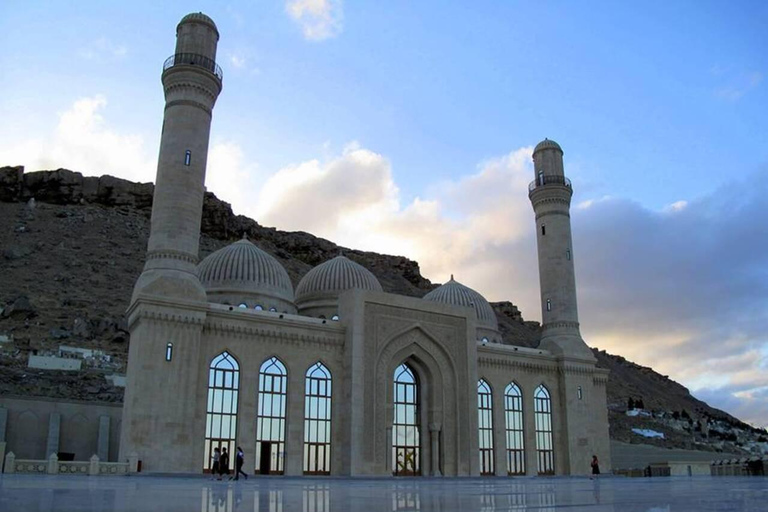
{"x": 71, "y": 248}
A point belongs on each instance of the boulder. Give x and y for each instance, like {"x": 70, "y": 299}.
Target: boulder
{"x": 21, "y": 307}
{"x": 11, "y": 183}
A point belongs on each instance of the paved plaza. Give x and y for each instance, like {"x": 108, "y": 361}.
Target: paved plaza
{"x": 29, "y": 493}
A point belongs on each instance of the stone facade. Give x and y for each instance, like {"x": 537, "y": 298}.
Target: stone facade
{"x": 36, "y": 428}
{"x": 182, "y": 329}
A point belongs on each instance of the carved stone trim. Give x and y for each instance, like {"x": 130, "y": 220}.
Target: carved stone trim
{"x": 171, "y": 255}
{"x": 551, "y": 200}
{"x": 228, "y": 328}
{"x": 553, "y": 212}
{"x": 560, "y": 325}
{"x": 165, "y": 316}
{"x": 191, "y": 85}
{"x": 493, "y": 362}
{"x": 190, "y": 103}
{"x": 578, "y": 370}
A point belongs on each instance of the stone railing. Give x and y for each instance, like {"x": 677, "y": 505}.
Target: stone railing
{"x": 53, "y": 466}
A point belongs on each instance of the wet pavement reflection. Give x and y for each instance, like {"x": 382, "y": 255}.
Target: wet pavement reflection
{"x": 31, "y": 493}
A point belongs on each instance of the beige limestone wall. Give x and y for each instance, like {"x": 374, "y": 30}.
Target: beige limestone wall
{"x": 28, "y": 422}
{"x": 500, "y": 365}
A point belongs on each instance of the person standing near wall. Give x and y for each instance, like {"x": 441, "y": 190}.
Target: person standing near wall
{"x": 215, "y": 467}
{"x": 595, "y": 467}
{"x": 223, "y": 463}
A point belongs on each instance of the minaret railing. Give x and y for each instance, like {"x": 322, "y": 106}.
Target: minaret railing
{"x": 551, "y": 179}
{"x": 194, "y": 59}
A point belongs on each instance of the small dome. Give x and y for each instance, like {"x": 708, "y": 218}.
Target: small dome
{"x": 455, "y": 293}
{"x": 243, "y": 273}
{"x": 547, "y": 144}
{"x": 198, "y": 17}
{"x": 320, "y": 287}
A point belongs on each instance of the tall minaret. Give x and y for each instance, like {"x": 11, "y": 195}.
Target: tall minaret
{"x": 161, "y": 425}
{"x": 550, "y": 194}
{"x": 192, "y": 82}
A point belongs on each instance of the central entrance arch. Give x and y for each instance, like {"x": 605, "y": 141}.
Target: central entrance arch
{"x": 426, "y": 429}
{"x": 406, "y": 425}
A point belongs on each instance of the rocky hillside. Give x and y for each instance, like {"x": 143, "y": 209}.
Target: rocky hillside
{"x": 72, "y": 247}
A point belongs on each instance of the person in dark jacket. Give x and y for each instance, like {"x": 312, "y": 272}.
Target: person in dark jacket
{"x": 239, "y": 461}
{"x": 595, "y": 467}
{"x": 223, "y": 463}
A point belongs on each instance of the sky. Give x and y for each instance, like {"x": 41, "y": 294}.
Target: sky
{"x": 407, "y": 128}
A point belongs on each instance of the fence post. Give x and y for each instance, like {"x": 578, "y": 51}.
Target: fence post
{"x": 53, "y": 464}
{"x": 10, "y": 463}
{"x": 94, "y": 468}
{"x": 133, "y": 462}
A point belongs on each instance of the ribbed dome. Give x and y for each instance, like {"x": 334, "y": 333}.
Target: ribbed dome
{"x": 243, "y": 268}
{"x": 455, "y": 293}
{"x": 335, "y": 276}
{"x": 199, "y": 17}
{"x": 547, "y": 144}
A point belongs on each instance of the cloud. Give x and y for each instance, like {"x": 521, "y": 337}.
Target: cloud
{"x": 318, "y": 19}
{"x": 83, "y": 141}
{"x": 103, "y": 47}
{"x": 739, "y": 86}
{"x": 237, "y": 61}
{"x": 229, "y": 177}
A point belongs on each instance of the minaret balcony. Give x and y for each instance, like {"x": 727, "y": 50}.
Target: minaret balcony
{"x": 194, "y": 59}
{"x": 549, "y": 180}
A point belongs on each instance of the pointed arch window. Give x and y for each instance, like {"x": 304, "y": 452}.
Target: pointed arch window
{"x": 485, "y": 426}
{"x": 545, "y": 454}
{"x": 513, "y": 412}
{"x": 270, "y": 422}
{"x": 406, "y": 435}
{"x": 221, "y": 410}
{"x": 317, "y": 420}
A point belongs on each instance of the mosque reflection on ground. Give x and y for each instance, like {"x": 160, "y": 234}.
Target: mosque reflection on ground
{"x": 32, "y": 493}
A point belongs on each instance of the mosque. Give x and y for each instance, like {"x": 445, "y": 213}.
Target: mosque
{"x": 337, "y": 377}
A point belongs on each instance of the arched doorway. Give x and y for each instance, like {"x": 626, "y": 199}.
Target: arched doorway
{"x": 406, "y": 427}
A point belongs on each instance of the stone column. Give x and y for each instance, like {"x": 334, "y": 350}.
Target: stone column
{"x": 10, "y": 463}
{"x": 3, "y": 424}
{"x": 294, "y": 427}
{"x": 434, "y": 431}
{"x": 93, "y": 469}
{"x": 499, "y": 433}
{"x": 53, "y": 464}
{"x": 54, "y": 428}
{"x": 389, "y": 449}
{"x": 246, "y": 418}
{"x": 102, "y": 449}
{"x": 529, "y": 424}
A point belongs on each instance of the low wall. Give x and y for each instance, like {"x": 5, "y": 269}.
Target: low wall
{"x": 627, "y": 456}
{"x": 53, "y": 466}
{"x": 34, "y": 428}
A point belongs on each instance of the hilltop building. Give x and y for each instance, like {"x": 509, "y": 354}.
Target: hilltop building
{"x": 336, "y": 376}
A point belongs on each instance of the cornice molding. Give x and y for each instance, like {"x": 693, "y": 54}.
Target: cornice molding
{"x": 508, "y": 363}
{"x": 171, "y": 255}
{"x": 284, "y": 335}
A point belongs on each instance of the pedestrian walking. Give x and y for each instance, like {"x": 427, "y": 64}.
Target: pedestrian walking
{"x": 239, "y": 461}
{"x": 595, "y": 467}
